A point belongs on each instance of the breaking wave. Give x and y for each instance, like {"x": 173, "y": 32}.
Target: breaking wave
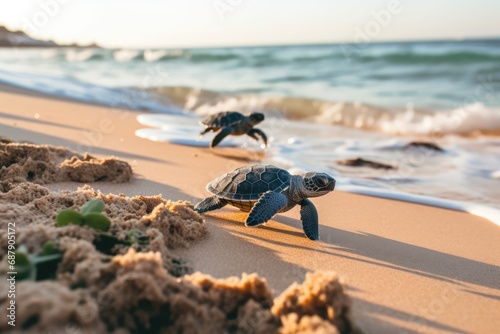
{"x": 467, "y": 120}
{"x": 147, "y": 55}
{"x": 267, "y": 56}
{"x": 419, "y": 58}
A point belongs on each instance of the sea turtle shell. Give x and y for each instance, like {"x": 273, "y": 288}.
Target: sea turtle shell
{"x": 243, "y": 186}
{"x": 223, "y": 119}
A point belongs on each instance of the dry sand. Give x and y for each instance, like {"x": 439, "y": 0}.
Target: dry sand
{"x": 410, "y": 268}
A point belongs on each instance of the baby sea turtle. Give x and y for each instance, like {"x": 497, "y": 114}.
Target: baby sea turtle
{"x": 265, "y": 190}
{"x": 233, "y": 123}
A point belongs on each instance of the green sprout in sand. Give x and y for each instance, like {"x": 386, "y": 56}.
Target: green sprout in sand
{"x": 89, "y": 215}
{"x": 40, "y": 266}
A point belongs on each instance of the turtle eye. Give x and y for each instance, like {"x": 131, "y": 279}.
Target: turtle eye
{"x": 321, "y": 181}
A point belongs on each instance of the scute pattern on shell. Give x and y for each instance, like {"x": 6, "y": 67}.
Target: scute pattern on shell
{"x": 250, "y": 182}
{"x": 223, "y": 119}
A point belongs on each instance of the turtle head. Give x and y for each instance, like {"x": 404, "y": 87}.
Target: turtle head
{"x": 256, "y": 118}
{"x": 318, "y": 184}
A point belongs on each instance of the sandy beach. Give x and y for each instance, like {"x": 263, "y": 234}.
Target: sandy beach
{"x": 409, "y": 268}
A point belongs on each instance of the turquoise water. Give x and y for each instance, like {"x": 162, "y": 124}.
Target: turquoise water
{"x": 432, "y": 75}
{"x": 324, "y": 103}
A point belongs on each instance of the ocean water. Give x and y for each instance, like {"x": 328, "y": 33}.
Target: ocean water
{"x": 323, "y": 104}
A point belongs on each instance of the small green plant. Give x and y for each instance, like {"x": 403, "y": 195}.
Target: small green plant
{"x": 40, "y": 266}
{"x": 180, "y": 268}
{"x": 135, "y": 237}
{"x": 89, "y": 215}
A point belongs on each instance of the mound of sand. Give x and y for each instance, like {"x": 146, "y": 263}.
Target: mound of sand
{"x": 34, "y": 209}
{"x": 20, "y": 162}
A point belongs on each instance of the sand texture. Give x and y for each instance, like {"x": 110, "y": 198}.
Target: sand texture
{"x": 409, "y": 268}
{"x": 98, "y": 291}
{"x": 47, "y": 164}
{"x": 34, "y": 209}
{"x": 136, "y": 287}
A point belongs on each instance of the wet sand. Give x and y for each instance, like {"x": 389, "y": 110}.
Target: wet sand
{"x": 410, "y": 268}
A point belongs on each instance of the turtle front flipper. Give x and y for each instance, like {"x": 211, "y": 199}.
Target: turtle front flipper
{"x": 221, "y": 135}
{"x": 209, "y": 204}
{"x": 269, "y": 204}
{"x": 257, "y": 132}
{"x": 309, "y": 218}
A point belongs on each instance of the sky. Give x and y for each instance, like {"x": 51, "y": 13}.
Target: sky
{"x": 204, "y": 23}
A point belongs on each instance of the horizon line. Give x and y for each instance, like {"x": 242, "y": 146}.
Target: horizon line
{"x": 395, "y": 41}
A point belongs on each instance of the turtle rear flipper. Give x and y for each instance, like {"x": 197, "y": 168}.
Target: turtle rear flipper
{"x": 309, "y": 218}
{"x": 268, "y": 205}
{"x": 221, "y": 135}
{"x": 209, "y": 204}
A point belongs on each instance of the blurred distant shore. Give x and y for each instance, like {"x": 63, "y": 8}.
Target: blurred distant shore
{"x": 19, "y": 39}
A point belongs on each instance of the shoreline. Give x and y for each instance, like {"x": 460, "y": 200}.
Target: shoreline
{"x": 477, "y": 209}
{"x": 463, "y": 171}
{"x": 409, "y": 267}
{"x": 480, "y": 210}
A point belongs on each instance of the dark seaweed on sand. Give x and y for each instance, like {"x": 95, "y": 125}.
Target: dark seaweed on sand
{"x": 360, "y": 162}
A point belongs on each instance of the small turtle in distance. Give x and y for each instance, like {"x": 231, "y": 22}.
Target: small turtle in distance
{"x": 233, "y": 123}
{"x": 265, "y": 190}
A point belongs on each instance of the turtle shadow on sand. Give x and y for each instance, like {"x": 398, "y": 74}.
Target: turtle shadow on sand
{"x": 350, "y": 245}
{"x": 272, "y": 240}
{"x": 239, "y": 153}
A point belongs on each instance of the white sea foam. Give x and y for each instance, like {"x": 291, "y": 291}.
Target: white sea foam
{"x": 483, "y": 211}
{"x": 156, "y": 55}
{"x": 179, "y": 130}
{"x": 464, "y": 120}
{"x": 80, "y": 55}
{"x": 74, "y": 89}
{"x": 126, "y": 55}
